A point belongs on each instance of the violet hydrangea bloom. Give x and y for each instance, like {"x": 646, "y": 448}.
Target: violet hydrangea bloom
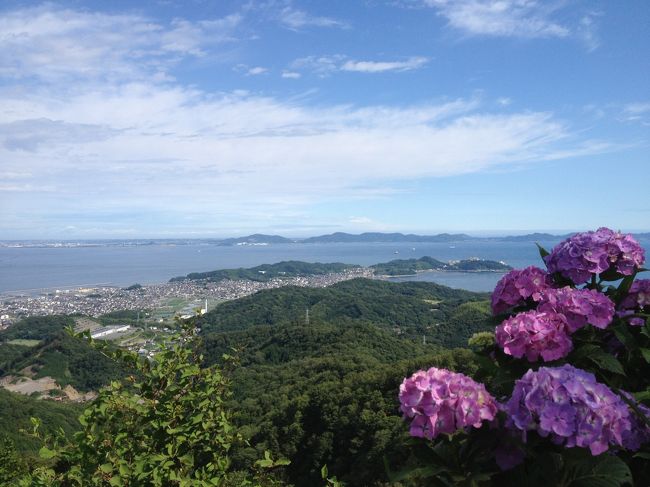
{"x": 638, "y": 298}
{"x": 584, "y": 254}
{"x": 579, "y": 307}
{"x": 517, "y": 286}
{"x": 569, "y": 406}
{"x": 535, "y": 334}
{"x": 441, "y": 401}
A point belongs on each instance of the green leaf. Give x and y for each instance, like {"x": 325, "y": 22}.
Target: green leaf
{"x": 46, "y": 453}
{"x": 604, "y": 471}
{"x": 542, "y": 251}
{"x": 106, "y": 468}
{"x": 642, "y": 396}
{"x": 606, "y": 361}
{"x": 646, "y": 354}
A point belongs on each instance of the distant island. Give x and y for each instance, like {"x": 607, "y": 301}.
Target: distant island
{"x": 294, "y": 268}
{"x": 266, "y": 272}
{"x": 404, "y": 267}
{"x": 255, "y": 239}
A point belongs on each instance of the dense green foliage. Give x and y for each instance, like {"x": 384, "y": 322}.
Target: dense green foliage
{"x": 36, "y": 327}
{"x": 12, "y": 465}
{"x": 66, "y": 360}
{"x": 166, "y": 427}
{"x": 265, "y": 272}
{"x": 16, "y": 411}
{"x": 401, "y": 267}
{"x": 338, "y": 409}
{"x": 412, "y": 309}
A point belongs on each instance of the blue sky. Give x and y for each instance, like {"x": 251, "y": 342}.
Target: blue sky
{"x": 206, "y": 119}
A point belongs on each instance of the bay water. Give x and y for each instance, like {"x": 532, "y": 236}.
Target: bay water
{"x": 29, "y": 269}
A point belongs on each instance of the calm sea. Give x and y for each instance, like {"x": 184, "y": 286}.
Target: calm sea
{"x": 25, "y": 269}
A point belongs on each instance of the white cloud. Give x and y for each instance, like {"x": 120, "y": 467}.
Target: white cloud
{"x": 145, "y": 147}
{"x": 636, "y": 112}
{"x": 291, "y": 74}
{"x": 326, "y": 65}
{"x": 381, "y": 66}
{"x": 53, "y": 43}
{"x": 505, "y": 18}
{"x": 298, "y": 19}
{"x": 257, "y": 70}
{"x": 637, "y": 108}
{"x": 102, "y": 133}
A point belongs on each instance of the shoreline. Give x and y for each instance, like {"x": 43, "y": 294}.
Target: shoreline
{"x": 441, "y": 271}
{"x": 64, "y": 289}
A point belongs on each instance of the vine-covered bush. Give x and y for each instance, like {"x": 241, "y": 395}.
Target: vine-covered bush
{"x": 166, "y": 424}
{"x": 569, "y": 366}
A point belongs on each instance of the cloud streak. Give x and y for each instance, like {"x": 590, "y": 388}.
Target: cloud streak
{"x": 326, "y": 65}
{"x": 528, "y": 19}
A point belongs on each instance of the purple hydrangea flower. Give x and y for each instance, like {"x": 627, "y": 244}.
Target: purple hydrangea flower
{"x": 569, "y": 406}
{"x": 535, "y": 334}
{"x": 518, "y": 286}
{"x": 638, "y": 298}
{"x": 579, "y": 307}
{"x": 441, "y": 401}
{"x": 584, "y": 254}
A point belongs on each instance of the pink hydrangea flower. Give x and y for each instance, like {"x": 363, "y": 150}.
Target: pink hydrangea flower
{"x": 441, "y": 401}
{"x": 584, "y": 254}
{"x": 579, "y": 307}
{"x": 535, "y": 334}
{"x": 572, "y": 408}
{"x": 518, "y": 286}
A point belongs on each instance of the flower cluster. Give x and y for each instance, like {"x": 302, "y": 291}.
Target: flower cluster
{"x": 579, "y": 307}
{"x": 518, "y": 286}
{"x": 441, "y": 401}
{"x": 584, "y": 254}
{"x": 568, "y": 405}
{"x": 535, "y": 334}
{"x": 638, "y": 297}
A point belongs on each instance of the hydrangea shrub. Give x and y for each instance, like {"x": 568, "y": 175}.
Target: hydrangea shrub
{"x": 569, "y": 368}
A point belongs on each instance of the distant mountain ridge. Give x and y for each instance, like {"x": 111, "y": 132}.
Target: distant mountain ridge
{"x": 264, "y": 239}
{"x": 386, "y": 237}
{"x": 255, "y": 239}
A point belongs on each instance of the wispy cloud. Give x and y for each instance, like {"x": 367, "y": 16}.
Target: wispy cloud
{"x": 636, "y": 112}
{"x": 291, "y": 74}
{"x": 325, "y": 65}
{"x": 516, "y": 18}
{"x": 296, "y": 19}
{"x": 54, "y": 43}
{"x": 382, "y": 66}
{"x": 106, "y": 129}
{"x": 154, "y": 148}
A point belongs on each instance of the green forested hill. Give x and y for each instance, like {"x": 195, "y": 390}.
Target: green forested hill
{"x": 326, "y": 392}
{"x": 16, "y": 411}
{"x": 411, "y": 266}
{"x": 339, "y": 409}
{"x": 265, "y": 272}
{"x": 322, "y": 391}
{"x": 36, "y": 327}
{"x": 410, "y": 309}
